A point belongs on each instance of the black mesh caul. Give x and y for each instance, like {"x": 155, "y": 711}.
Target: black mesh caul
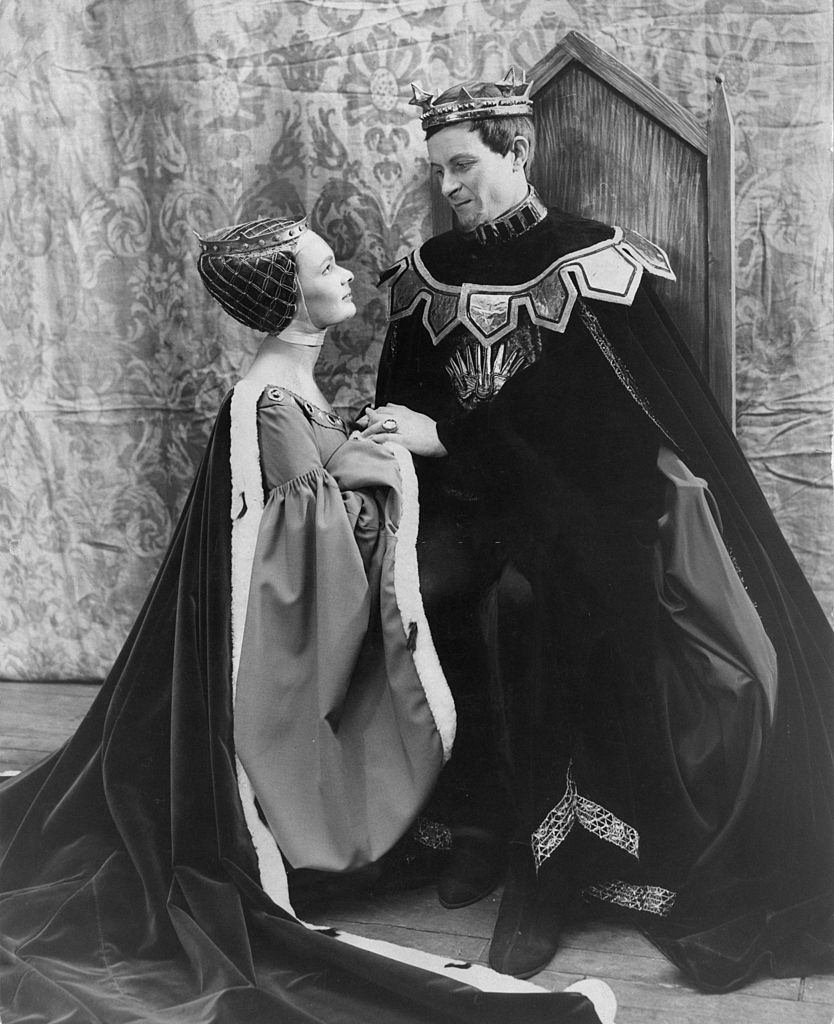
{"x": 250, "y": 269}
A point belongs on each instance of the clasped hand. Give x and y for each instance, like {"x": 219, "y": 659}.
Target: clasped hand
{"x": 414, "y": 430}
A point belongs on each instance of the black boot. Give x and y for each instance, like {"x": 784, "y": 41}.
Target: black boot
{"x": 526, "y": 934}
{"x": 475, "y": 866}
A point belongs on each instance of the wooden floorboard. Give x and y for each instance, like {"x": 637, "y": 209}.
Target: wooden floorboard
{"x": 35, "y": 718}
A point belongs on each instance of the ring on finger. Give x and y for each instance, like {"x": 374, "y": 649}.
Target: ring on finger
{"x": 389, "y": 425}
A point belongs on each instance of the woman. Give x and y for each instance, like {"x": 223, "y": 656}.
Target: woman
{"x": 276, "y": 703}
{"x": 326, "y": 612}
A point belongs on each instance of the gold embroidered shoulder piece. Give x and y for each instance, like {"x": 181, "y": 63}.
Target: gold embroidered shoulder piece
{"x": 609, "y": 271}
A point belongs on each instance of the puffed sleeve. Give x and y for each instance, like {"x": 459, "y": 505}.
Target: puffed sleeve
{"x": 287, "y": 445}
{"x": 332, "y": 724}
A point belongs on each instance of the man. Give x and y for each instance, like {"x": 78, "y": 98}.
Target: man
{"x": 656, "y": 734}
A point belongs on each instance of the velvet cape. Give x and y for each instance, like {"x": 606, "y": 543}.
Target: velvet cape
{"x": 130, "y": 885}
{"x": 759, "y": 896}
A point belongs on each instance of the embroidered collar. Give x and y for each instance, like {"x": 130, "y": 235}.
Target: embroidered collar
{"x": 520, "y": 219}
{"x": 277, "y": 394}
{"x": 608, "y": 271}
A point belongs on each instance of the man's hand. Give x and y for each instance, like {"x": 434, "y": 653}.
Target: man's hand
{"x": 414, "y": 430}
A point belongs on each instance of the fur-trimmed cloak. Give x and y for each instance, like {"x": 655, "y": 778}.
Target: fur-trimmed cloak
{"x": 132, "y": 889}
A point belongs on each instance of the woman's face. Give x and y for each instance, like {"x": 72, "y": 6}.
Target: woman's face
{"x": 324, "y": 285}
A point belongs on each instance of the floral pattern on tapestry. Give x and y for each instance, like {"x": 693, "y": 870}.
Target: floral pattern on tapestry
{"x": 128, "y": 127}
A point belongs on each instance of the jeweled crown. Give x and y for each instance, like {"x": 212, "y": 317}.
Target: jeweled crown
{"x": 474, "y": 101}
{"x": 254, "y": 236}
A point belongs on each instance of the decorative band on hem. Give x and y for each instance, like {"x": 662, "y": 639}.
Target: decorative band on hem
{"x": 594, "y": 818}
{"x": 432, "y": 834}
{"x": 650, "y": 899}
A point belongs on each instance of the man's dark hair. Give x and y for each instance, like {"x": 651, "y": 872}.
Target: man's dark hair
{"x": 498, "y": 133}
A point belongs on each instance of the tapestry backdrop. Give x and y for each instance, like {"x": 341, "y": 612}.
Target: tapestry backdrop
{"x": 127, "y": 126}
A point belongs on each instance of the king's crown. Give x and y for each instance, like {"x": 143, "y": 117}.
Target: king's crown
{"x": 474, "y": 101}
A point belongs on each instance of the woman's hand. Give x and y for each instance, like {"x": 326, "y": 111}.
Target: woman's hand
{"x": 414, "y": 430}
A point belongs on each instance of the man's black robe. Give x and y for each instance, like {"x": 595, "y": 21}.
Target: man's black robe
{"x": 546, "y": 514}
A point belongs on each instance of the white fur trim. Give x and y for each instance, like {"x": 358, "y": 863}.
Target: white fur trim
{"x": 481, "y": 977}
{"x": 248, "y": 495}
{"x": 410, "y": 602}
{"x": 476, "y": 975}
{"x": 600, "y": 994}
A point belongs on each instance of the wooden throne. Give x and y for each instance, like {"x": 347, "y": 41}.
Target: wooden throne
{"x": 613, "y": 147}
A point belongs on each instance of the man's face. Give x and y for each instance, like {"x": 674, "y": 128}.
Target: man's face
{"x": 478, "y": 183}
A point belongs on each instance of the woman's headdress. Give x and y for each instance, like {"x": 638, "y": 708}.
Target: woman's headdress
{"x": 250, "y": 269}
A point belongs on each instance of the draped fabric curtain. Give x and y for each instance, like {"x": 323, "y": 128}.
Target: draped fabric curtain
{"x": 127, "y": 127}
